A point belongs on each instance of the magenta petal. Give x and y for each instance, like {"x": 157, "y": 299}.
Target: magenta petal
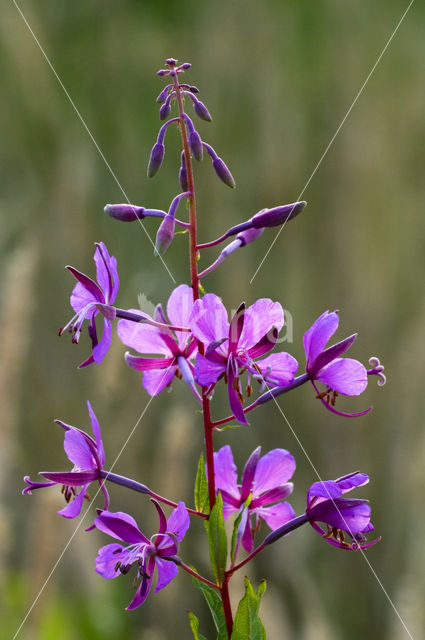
{"x": 260, "y": 318}
{"x": 119, "y": 525}
{"x": 179, "y": 308}
{"x": 317, "y": 336}
{"x": 352, "y": 516}
{"x": 276, "y": 515}
{"x": 273, "y": 469}
{"x": 143, "y": 338}
{"x": 345, "y": 375}
{"x": 167, "y": 570}
{"x": 155, "y": 381}
{"x": 107, "y": 559}
{"x": 208, "y": 319}
{"x": 101, "y": 348}
{"x": 278, "y": 369}
{"x": 139, "y": 363}
{"x": 273, "y": 495}
{"x": 73, "y": 509}
{"x": 225, "y": 471}
{"x": 81, "y": 297}
{"x": 326, "y": 489}
{"x": 78, "y": 450}
{"x": 178, "y": 522}
{"x": 207, "y": 371}
{"x": 330, "y": 354}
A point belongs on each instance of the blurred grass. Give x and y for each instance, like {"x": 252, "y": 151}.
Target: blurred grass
{"x": 278, "y": 78}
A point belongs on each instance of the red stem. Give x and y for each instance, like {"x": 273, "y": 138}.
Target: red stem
{"x": 226, "y": 605}
{"x": 208, "y": 427}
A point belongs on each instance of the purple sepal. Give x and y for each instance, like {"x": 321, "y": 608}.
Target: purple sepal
{"x": 156, "y": 158}
{"x": 223, "y": 172}
{"x": 71, "y": 478}
{"x": 330, "y": 354}
{"x": 278, "y": 215}
{"x": 125, "y": 212}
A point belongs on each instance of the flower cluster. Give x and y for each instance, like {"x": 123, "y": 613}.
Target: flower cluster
{"x": 193, "y": 338}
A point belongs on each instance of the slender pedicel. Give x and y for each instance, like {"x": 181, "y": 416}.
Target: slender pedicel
{"x": 141, "y": 488}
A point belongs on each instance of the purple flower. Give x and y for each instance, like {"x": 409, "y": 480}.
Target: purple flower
{"x": 176, "y": 350}
{"x": 341, "y": 515}
{"x": 88, "y": 457}
{"x": 90, "y": 298}
{"x": 114, "y": 558}
{"x": 232, "y": 348}
{"x": 265, "y": 480}
{"x": 340, "y": 375}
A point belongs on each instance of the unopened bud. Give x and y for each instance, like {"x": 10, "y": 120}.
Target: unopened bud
{"x": 278, "y": 215}
{"x": 195, "y": 144}
{"x": 125, "y": 212}
{"x": 183, "y": 175}
{"x": 165, "y": 110}
{"x": 223, "y": 172}
{"x": 165, "y": 235}
{"x": 201, "y": 110}
{"x": 249, "y": 235}
{"x": 163, "y": 95}
{"x": 156, "y": 158}
{"x": 185, "y": 66}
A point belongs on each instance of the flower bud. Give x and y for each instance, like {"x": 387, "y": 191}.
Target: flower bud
{"x": 165, "y": 235}
{"x": 183, "y": 175}
{"x": 125, "y": 212}
{"x": 156, "y": 158}
{"x": 195, "y": 144}
{"x": 278, "y": 215}
{"x": 223, "y": 172}
{"x": 163, "y": 95}
{"x": 165, "y": 110}
{"x": 249, "y": 235}
{"x": 201, "y": 110}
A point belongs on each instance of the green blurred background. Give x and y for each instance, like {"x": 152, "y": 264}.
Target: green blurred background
{"x": 278, "y": 77}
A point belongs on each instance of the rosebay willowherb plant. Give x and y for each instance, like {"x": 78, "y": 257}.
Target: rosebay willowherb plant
{"x": 194, "y": 340}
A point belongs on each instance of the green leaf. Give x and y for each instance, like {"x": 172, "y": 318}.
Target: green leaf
{"x": 247, "y": 625}
{"x": 194, "y": 625}
{"x": 215, "y": 605}
{"x": 236, "y": 527}
{"x": 217, "y": 539}
{"x": 201, "y": 488}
